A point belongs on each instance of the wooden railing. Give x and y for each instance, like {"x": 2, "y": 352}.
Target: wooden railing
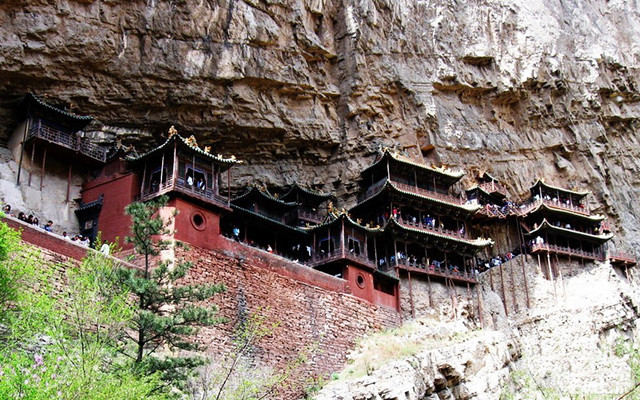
{"x": 51, "y": 134}
{"x": 433, "y": 228}
{"x": 377, "y": 187}
{"x": 320, "y": 258}
{"x": 437, "y": 271}
{"x": 617, "y": 256}
{"x": 556, "y": 204}
{"x": 493, "y": 187}
{"x": 180, "y": 186}
{"x": 309, "y": 216}
{"x": 552, "y": 248}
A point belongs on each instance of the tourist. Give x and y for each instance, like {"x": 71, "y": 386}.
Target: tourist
{"x": 48, "y": 226}
{"x": 29, "y": 219}
{"x": 65, "y": 236}
{"x": 190, "y": 180}
{"x": 7, "y": 210}
{"x": 269, "y": 249}
{"x": 85, "y": 241}
{"x": 22, "y": 217}
{"x": 200, "y": 184}
{"x": 236, "y": 233}
{"x": 105, "y": 249}
{"x": 35, "y": 221}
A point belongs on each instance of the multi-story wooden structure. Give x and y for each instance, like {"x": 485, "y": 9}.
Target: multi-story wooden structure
{"x": 178, "y": 168}
{"x": 557, "y": 221}
{"x": 425, "y": 227}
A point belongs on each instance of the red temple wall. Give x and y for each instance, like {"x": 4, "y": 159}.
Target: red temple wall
{"x": 196, "y": 225}
{"x": 119, "y": 191}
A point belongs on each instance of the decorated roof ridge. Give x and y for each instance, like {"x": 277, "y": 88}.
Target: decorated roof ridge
{"x": 573, "y": 231}
{"x": 478, "y": 242}
{"x": 191, "y": 143}
{"x": 487, "y": 174}
{"x": 294, "y": 228}
{"x": 407, "y": 160}
{"x": 309, "y": 191}
{"x": 477, "y": 187}
{"x": 336, "y": 216}
{"x": 40, "y": 102}
{"x": 541, "y": 181}
{"x": 559, "y": 208}
{"x": 265, "y": 194}
{"x": 467, "y": 206}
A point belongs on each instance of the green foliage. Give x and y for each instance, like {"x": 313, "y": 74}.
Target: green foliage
{"x": 13, "y": 269}
{"x": 236, "y": 377}
{"x": 166, "y": 312}
{"x": 59, "y": 339}
{"x": 631, "y": 353}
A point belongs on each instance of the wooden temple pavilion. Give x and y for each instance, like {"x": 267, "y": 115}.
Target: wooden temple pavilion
{"x": 312, "y": 205}
{"x": 269, "y": 223}
{"x": 557, "y": 221}
{"x": 489, "y": 193}
{"x": 425, "y": 227}
{"x": 345, "y": 248}
{"x": 178, "y": 168}
{"x": 52, "y": 132}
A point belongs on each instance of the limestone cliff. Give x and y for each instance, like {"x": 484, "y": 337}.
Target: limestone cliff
{"x": 306, "y": 90}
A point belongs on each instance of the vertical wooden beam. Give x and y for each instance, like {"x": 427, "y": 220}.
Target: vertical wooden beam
{"x": 144, "y": 178}
{"x": 27, "y": 126}
{"x": 504, "y": 293}
{"x": 162, "y": 169}
{"x": 69, "y": 182}
{"x": 228, "y": 187}
{"x": 44, "y": 160}
{"x": 413, "y": 311}
{"x": 33, "y": 154}
{"x": 174, "y": 172}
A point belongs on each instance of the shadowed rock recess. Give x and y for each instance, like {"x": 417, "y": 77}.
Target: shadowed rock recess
{"x": 309, "y": 90}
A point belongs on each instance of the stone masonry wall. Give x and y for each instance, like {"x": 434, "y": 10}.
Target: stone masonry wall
{"x": 308, "y": 315}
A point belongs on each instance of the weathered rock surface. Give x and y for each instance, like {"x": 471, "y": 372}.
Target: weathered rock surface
{"x": 563, "y": 346}
{"x": 306, "y": 90}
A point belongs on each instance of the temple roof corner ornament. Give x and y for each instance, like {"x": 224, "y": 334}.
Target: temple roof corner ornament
{"x": 172, "y": 131}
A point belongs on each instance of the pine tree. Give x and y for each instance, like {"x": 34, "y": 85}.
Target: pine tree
{"x": 166, "y": 313}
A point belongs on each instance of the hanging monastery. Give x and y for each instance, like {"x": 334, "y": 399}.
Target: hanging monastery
{"x": 407, "y": 224}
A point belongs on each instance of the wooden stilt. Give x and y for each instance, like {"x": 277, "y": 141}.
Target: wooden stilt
{"x": 44, "y": 161}
{"x": 504, "y": 292}
{"x": 33, "y": 154}
{"x": 69, "y": 182}
{"x": 429, "y": 290}
{"x": 479, "y": 307}
{"x": 513, "y": 290}
{"x": 413, "y": 311}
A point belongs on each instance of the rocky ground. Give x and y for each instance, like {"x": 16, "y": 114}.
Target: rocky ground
{"x": 562, "y": 347}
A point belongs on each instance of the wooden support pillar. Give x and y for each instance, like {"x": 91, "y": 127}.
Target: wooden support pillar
{"x": 513, "y": 288}
{"x": 68, "y": 182}
{"x": 395, "y": 251}
{"x": 413, "y": 311}
{"x": 555, "y": 295}
{"x": 429, "y": 290}
{"x": 229, "y": 187}
{"x": 144, "y": 178}
{"x": 27, "y": 126}
{"x": 33, "y": 154}
{"x": 504, "y": 292}
{"x": 479, "y": 307}
{"x": 44, "y": 161}
{"x": 162, "y": 177}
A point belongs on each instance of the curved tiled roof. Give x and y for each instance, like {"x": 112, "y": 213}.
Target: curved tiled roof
{"x": 405, "y": 160}
{"x": 30, "y": 97}
{"x": 339, "y": 216}
{"x": 264, "y": 194}
{"x": 308, "y": 191}
{"x": 183, "y": 142}
{"x": 541, "y": 182}
{"x": 264, "y": 217}
{"x": 478, "y": 242}
{"x": 389, "y": 184}
{"x": 573, "y": 232}
{"x": 560, "y": 209}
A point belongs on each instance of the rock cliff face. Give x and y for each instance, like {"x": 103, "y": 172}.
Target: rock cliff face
{"x": 307, "y": 90}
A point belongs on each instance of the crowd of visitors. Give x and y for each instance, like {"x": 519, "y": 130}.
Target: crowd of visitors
{"x": 48, "y": 226}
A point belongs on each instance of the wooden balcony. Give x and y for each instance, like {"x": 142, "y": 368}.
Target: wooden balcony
{"x": 493, "y": 187}
{"x": 622, "y": 258}
{"x": 443, "y": 197}
{"x": 320, "y": 258}
{"x": 567, "y": 251}
{"x": 440, "y": 272}
{"x": 43, "y": 131}
{"x": 553, "y": 204}
{"x": 206, "y": 195}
